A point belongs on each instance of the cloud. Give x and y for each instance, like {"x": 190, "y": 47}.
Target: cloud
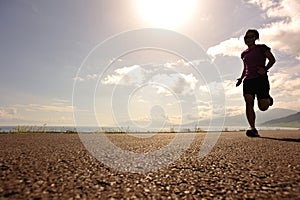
{"x": 184, "y": 84}
{"x": 235, "y": 110}
{"x": 125, "y": 76}
{"x": 86, "y": 78}
{"x": 91, "y": 76}
{"x": 204, "y": 110}
{"x": 58, "y": 111}
{"x": 61, "y": 102}
{"x": 9, "y": 113}
{"x": 178, "y": 83}
{"x": 230, "y": 47}
{"x": 57, "y": 105}
{"x": 264, "y": 4}
{"x": 231, "y": 90}
{"x": 286, "y": 86}
{"x": 285, "y": 90}
{"x": 282, "y": 32}
{"x": 178, "y": 63}
{"x": 79, "y": 79}
{"x": 54, "y": 108}
{"x": 213, "y": 89}
{"x": 168, "y": 76}
{"x": 162, "y": 90}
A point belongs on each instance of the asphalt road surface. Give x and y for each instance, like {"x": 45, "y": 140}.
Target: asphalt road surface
{"x": 58, "y": 166}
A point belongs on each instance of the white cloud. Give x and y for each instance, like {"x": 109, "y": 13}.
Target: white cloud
{"x": 125, "y": 76}
{"x": 9, "y": 113}
{"x": 55, "y": 108}
{"x": 168, "y": 76}
{"x": 286, "y": 88}
{"x": 126, "y": 70}
{"x": 58, "y": 111}
{"x": 79, "y": 79}
{"x": 264, "y": 4}
{"x": 235, "y": 110}
{"x": 61, "y": 101}
{"x": 231, "y": 90}
{"x": 284, "y": 34}
{"x": 281, "y": 34}
{"x": 177, "y": 83}
{"x": 86, "y": 78}
{"x": 91, "y": 76}
{"x": 230, "y": 47}
{"x": 215, "y": 89}
{"x": 178, "y": 63}
{"x": 57, "y": 105}
{"x": 190, "y": 79}
{"x": 162, "y": 90}
{"x": 184, "y": 84}
{"x": 204, "y": 109}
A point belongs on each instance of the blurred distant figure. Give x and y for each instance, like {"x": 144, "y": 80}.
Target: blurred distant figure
{"x": 255, "y": 78}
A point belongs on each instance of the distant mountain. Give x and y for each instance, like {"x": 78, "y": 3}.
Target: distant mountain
{"x": 262, "y": 117}
{"x": 237, "y": 120}
{"x": 288, "y": 121}
{"x": 241, "y": 120}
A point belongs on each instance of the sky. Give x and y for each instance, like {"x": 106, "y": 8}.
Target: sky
{"x": 138, "y": 62}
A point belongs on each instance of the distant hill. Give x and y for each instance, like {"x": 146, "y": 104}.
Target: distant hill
{"x": 237, "y": 120}
{"x": 261, "y": 117}
{"x": 241, "y": 120}
{"x": 288, "y": 121}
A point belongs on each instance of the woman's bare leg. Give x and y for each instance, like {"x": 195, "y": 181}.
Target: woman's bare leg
{"x": 249, "y": 100}
{"x": 263, "y": 104}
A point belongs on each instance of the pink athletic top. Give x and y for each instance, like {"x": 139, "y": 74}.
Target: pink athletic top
{"x": 254, "y": 58}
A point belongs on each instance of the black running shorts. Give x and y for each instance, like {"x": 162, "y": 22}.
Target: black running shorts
{"x": 258, "y": 86}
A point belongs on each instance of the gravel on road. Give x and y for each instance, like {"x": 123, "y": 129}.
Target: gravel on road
{"x": 57, "y": 166}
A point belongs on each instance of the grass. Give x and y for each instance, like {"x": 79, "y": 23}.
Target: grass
{"x": 26, "y": 129}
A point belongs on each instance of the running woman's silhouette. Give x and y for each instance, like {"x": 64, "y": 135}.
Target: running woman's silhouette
{"x": 255, "y": 78}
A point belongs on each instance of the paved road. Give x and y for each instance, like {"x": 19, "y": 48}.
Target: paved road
{"x": 57, "y": 166}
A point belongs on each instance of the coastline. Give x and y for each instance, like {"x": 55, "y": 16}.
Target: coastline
{"x": 93, "y": 129}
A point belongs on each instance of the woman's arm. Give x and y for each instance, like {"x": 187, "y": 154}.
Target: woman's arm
{"x": 271, "y": 59}
{"x": 242, "y": 77}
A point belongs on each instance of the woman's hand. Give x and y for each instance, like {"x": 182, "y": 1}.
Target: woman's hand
{"x": 261, "y": 70}
{"x": 239, "y": 82}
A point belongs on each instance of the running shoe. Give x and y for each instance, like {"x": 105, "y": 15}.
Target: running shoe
{"x": 271, "y": 101}
{"x": 252, "y": 133}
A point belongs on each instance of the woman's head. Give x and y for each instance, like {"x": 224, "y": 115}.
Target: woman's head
{"x": 252, "y": 32}
{"x": 250, "y": 36}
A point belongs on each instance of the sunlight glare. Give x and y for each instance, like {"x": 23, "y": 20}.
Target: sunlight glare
{"x": 166, "y": 13}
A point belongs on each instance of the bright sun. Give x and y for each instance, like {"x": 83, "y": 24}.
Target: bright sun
{"x": 166, "y": 13}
